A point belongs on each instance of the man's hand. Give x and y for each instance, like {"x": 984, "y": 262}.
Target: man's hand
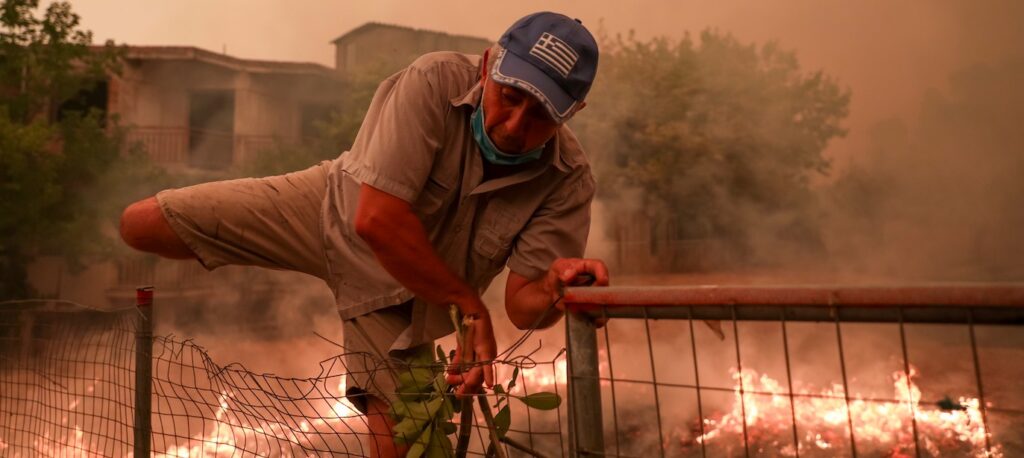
{"x": 574, "y": 272}
{"x": 526, "y": 300}
{"x": 480, "y": 355}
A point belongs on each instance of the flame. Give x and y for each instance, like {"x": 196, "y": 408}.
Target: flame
{"x": 541, "y": 378}
{"x": 342, "y": 408}
{"x": 72, "y": 446}
{"x": 823, "y": 419}
{"x": 227, "y": 429}
{"x": 268, "y": 438}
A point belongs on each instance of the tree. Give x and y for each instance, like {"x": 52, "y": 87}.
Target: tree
{"x": 717, "y": 138}
{"x": 62, "y": 173}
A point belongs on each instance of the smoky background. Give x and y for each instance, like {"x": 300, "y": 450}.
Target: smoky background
{"x": 923, "y": 185}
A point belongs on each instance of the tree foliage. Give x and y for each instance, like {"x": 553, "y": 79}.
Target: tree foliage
{"x": 61, "y": 177}
{"x": 713, "y": 135}
{"x": 47, "y": 59}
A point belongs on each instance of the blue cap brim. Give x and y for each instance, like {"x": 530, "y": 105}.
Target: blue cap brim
{"x": 512, "y": 70}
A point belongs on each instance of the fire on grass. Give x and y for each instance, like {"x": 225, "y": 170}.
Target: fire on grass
{"x": 231, "y": 436}
{"x": 229, "y": 433}
{"x": 761, "y": 411}
{"x": 230, "y": 429}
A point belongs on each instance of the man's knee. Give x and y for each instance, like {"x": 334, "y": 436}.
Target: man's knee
{"x": 144, "y": 228}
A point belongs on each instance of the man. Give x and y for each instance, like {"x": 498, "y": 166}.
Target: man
{"x": 462, "y": 165}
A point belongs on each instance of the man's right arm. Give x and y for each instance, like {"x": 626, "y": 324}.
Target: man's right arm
{"x": 144, "y": 228}
{"x": 400, "y": 243}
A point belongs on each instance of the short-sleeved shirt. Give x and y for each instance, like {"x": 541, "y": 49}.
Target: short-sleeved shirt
{"x": 416, "y": 143}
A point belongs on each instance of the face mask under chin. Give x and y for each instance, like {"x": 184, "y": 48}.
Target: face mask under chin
{"x": 490, "y": 151}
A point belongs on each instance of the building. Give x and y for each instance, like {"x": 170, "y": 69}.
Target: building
{"x": 380, "y": 49}
{"x": 191, "y": 107}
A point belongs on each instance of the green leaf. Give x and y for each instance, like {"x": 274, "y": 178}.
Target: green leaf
{"x": 440, "y": 444}
{"x": 502, "y": 421}
{"x": 413, "y": 393}
{"x": 420, "y": 446}
{"x": 438, "y": 450}
{"x": 440, "y": 384}
{"x": 449, "y": 428}
{"x": 499, "y": 394}
{"x": 542, "y": 401}
{"x": 420, "y": 356}
{"x": 420, "y": 411}
{"x": 441, "y": 356}
{"x": 515, "y": 375}
{"x": 407, "y": 430}
{"x": 447, "y": 411}
{"x": 415, "y": 377}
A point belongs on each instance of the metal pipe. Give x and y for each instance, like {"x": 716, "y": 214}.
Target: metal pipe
{"x": 992, "y": 294}
{"x": 989, "y": 304}
{"x": 586, "y": 428}
{"x": 143, "y": 371}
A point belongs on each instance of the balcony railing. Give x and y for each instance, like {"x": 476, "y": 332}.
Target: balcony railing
{"x": 201, "y": 148}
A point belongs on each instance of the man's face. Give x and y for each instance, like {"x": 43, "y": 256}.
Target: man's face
{"x": 516, "y": 121}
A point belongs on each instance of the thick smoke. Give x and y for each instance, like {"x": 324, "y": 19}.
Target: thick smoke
{"x": 938, "y": 197}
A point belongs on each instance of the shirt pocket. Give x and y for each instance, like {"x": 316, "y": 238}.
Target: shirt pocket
{"x": 492, "y": 244}
{"x": 432, "y": 200}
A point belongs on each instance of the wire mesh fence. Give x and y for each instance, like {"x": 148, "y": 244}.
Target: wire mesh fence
{"x": 930, "y": 371}
{"x": 801, "y": 371}
{"x": 73, "y": 383}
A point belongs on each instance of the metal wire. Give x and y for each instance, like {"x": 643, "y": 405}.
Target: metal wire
{"x": 789, "y": 381}
{"x": 615, "y": 403}
{"x": 906, "y": 370}
{"x": 67, "y": 387}
{"x": 996, "y": 305}
{"x": 654, "y": 378}
{"x": 739, "y": 367}
{"x": 977, "y": 377}
{"x": 696, "y": 377}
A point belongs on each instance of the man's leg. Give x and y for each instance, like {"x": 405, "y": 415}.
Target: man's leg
{"x": 371, "y": 368}
{"x": 379, "y": 421}
{"x": 144, "y": 228}
{"x": 270, "y": 222}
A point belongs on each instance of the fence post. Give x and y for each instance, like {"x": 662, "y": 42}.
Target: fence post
{"x": 586, "y": 428}
{"x": 143, "y": 371}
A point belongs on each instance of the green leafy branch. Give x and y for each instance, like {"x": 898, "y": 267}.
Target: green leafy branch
{"x": 427, "y": 404}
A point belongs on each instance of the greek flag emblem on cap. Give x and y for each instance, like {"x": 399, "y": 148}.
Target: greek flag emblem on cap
{"x": 553, "y": 51}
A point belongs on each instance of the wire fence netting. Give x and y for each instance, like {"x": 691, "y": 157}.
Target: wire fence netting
{"x": 687, "y": 388}
{"x": 68, "y": 382}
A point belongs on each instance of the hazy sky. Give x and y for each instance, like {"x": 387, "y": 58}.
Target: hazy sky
{"x": 888, "y": 52}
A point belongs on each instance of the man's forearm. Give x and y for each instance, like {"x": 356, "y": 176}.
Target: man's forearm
{"x": 534, "y": 302}
{"x": 400, "y": 244}
{"x": 531, "y": 301}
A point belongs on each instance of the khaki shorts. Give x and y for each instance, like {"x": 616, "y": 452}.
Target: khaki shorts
{"x": 276, "y": 222}
{"x": 370, "y": 365}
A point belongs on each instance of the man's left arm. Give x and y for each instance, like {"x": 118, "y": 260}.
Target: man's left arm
{"x": 548, "y": 256}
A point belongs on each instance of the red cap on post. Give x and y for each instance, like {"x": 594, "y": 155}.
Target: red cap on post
{"x": 144, "y": 296}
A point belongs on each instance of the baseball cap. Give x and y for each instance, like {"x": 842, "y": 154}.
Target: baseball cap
{"x": 550, "y": 56}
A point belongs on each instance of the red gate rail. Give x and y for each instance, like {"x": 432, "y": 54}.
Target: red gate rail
{"x": 987, "y": 303}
